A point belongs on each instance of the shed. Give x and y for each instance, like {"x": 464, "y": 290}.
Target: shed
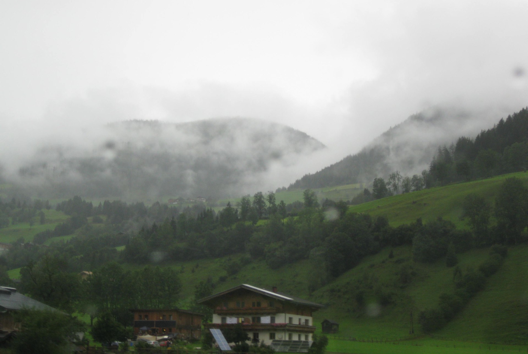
{"x": 330, "y": 326}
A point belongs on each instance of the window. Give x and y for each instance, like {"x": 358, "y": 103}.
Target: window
{"x": 139, "y": 317}
{"x": 170, "y": 317}
{"x": 272, "y": 319}
{"x": 170, "y": 329}
{"x": 272, "y": 304}
{"x": 255, "y": 304}
{"x": 255, "y": 319}
{"x": 305, "y": 337}
{"x": 272, "y": 336}
{"x": 298, "y": 337}
{"x": 290, "y": 336}
{"x": 163, "y": 317}
{"x": 299, "y": 320}
{"x": 225, "y": 305}
{"x": 224, "y": 320}
{"x": 306, "y": 322}
{"x": 146, "y": 317}
{"x": 241, "y": 304}
{"x": 290, "y": 320}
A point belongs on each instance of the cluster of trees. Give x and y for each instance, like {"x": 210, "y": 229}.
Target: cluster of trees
{"x": 467, "y": 285}
{"x": 397, "y": 184}
{"x": 211, "y": 234}
{"x": 503, "y": 222}
{"x": 502, "y": 149}
{"x": 110, "y": 289}
{"x": 22, "y": 211}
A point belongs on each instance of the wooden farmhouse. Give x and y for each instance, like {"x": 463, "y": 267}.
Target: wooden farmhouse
{"x": 330, "y": 326}
{"x": 267, "y": 316}
{"x": 184, "y": 324}
{"x": 12, "y": 301}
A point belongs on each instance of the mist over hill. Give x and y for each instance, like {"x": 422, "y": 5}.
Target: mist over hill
{"x": 151, "y": 159}
{"x": 408, "y": 147}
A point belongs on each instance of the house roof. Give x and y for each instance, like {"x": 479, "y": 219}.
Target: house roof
{"x": 272, "y": 294}
{"x": 11, "y": 299}
{"x": 167, "y": 310}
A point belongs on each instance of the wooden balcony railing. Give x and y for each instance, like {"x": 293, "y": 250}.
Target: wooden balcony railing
{"x": 265, "y": 326}
{"x": 247, "y": 311}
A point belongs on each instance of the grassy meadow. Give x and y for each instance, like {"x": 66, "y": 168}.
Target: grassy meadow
{"x": 345, "y": 192}
{"x": 429, "y": 204}
{"x": 27, "y": 231}
{"x": 498, "y": 314}
{"x": 420, "y": 346}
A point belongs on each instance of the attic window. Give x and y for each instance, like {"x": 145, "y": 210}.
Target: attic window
{"x": 256, "y": 304}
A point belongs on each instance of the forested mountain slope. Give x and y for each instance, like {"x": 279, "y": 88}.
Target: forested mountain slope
{"x": 150, "y": 159}
{"x": 408, "y": 148}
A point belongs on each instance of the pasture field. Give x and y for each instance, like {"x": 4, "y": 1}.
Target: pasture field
{"x": 27, "y": 232}
{"x": 336, "y": 193}
{"x": 14, "y": 273}
{"x": 420, "y": 346}
{"x": 498, "y": 314}
{"x": 429, "y": 204}
{"x": 58, "y": 239}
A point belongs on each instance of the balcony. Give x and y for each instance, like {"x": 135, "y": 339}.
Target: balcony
{"x": 265, "y": 326}
{"x": 246, "y": 311}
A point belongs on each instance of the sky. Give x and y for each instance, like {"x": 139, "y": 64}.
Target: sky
{"x": 341, "y": 71}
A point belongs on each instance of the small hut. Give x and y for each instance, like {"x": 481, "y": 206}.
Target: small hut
{"x": 330, "y": 326}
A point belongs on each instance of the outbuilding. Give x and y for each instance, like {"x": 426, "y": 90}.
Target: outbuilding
{"x": 330, "y": 326}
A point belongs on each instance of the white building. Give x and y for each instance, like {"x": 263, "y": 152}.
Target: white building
{"x": 265, "y": 315}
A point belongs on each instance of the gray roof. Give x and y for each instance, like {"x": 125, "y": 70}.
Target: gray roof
{"x": 265, "y": 292}
{"x": 11, "y": 299}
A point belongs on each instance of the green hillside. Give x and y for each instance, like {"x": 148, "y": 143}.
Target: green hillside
{"x": 382, "y": 297}
{"x": 27, "y": 230}
{"x": 336, "y": 193}
{"x": 364, "y": 316}
{"x": 504, "y": 300}
{"x": 430, "y": 204}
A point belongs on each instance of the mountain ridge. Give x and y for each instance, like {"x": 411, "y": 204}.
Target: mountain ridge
{"x": 137, "y": 159}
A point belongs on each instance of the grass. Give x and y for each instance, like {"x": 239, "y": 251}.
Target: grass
{"x": 27, "y": 232}
{"x": 336, "y": 193}
{"x": 419, "y": 346}
{"x": 14, "y": 273}
{"x": 497, "y": 314}
{"x": 58, "y": 239}
{"x": 291, "y": 279}
{"x": 500, "y": 313}
{"x": 430, "y": 204}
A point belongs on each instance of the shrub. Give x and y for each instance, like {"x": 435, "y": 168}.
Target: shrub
{"x": 431, "y": 320}
{"x": 450, "y": 305}
{"x": 319, "y": 344}
{"x": 451, "y": 258}
{"x": 472, "y": 282}
{"x": 404, "y": 276}
{"x": 499, "y": 249}
{"x": 491, "y": 265}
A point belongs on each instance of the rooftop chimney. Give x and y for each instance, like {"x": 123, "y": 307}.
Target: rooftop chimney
{"x": 274, "y": 289}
